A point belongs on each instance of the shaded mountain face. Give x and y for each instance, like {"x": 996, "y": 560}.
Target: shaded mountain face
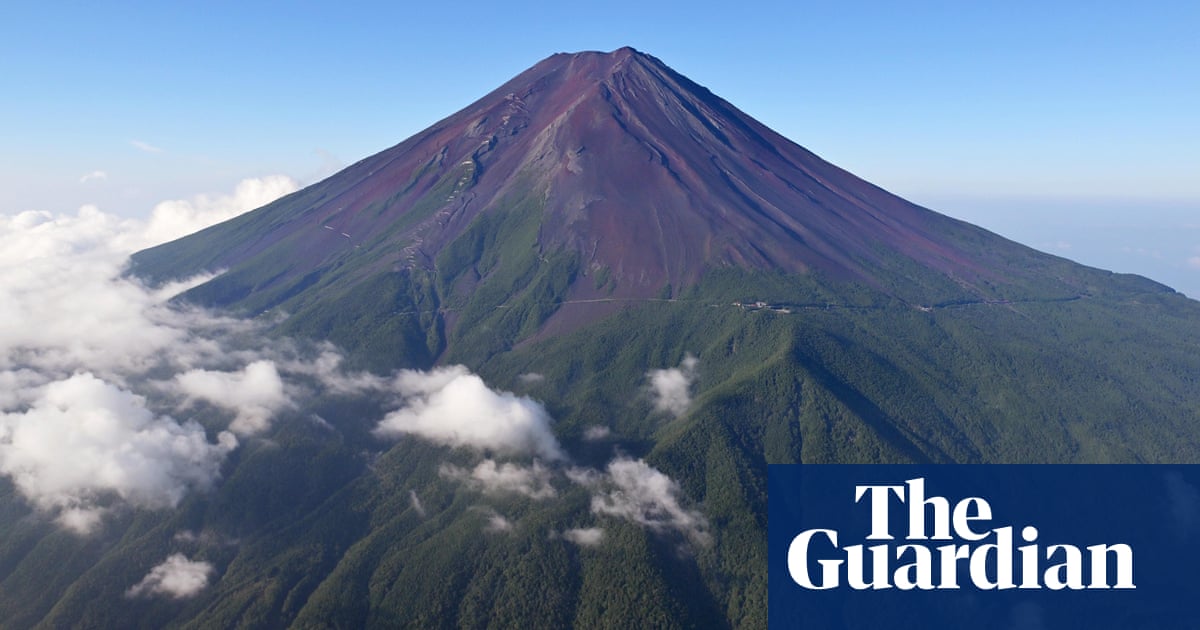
{"x": 688, "y": 297}
{"x": 588, "y": 177}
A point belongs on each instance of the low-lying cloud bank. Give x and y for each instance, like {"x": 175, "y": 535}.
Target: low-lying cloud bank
{"x": 82, "y": 428}
{"x": 100, "y": 374}
{"x": 179, "y": 217}
{"x": 83, "y": 439}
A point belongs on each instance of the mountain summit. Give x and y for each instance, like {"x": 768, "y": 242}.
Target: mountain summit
{"x": 593, "y": 178}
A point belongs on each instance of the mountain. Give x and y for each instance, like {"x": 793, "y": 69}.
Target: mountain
{"x": 588, "y": 177}
{"x": 574, "y": 236}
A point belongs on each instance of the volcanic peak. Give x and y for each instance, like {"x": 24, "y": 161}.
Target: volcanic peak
{"x": 640, "y": 179}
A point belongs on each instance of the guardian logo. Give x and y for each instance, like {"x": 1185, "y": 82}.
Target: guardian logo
{"x": 975, "y": 550}
{"x": 983, "y": 546}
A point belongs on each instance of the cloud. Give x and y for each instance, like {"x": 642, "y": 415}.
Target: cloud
{"x": 172, "y": 219}
{"x": 83, "y": 441}
{"x": 206, "y": 538}
{"x": 416, "y": 503}
{"x": 144, "y": 146}
{"x": 642, "y": 494}
{"x": 255, "y": 393}
{"x": 1194, "y": 262}
{"x": 531, "y": 378}
{"x": 93, "y": 176}
{"x": 82, "y": 428}
{"x": 326, "y": 369}
{"x": 495, "y": 522}
{"x": 596, "y": 433}
{"x": 65, "y": 305}
{"x": 177, "y": 578}
{"x": 670, "y": 389}
{"x": 452, "y": 406}
{"x": 587, "y": 477}
{"x": 490, "y": 478}
{"x": 585, "y": 537}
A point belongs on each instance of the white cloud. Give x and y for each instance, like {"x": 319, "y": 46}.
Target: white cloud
{"x": 1194, "y": 262}
{"x": 144, "y": 146}
{"x": 587, "y": 477}
{"x": 326, "y": 368}
{"x": 93, "y": 176}
{"x": 531, "y": 378}
{"x": 495, "y": 522}
{"x": 508, "y": 478}
{"x": 65, "y": 305}
{"x": 585, "y": 537}
{"x": 642, "y": 494}
{"x": 177, "y": 578}
{"x": 81, "y": 520}
{"x": 173, "y": 219}
{"x": 670, "y": 389}
{"x": 83, "y": 441}
{"x": 255, "y": 393}
{"x": 452, "y": 406}
{"x": 206, "y": 538}
{"x": 77, "y": 341}
{"x": 415, "y": 501}
{"x": 596, "y": 432}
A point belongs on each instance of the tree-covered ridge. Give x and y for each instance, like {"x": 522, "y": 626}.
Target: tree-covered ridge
{"x": 317, "y": 525}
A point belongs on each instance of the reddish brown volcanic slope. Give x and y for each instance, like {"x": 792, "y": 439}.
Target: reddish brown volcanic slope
{"x": 641, "y": 174}
{"x": 655, "y": 177}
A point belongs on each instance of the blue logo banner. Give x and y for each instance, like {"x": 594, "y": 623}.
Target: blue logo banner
{"x": 1001, "y": 547}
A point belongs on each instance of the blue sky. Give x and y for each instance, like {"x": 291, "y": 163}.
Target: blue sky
{"x": 1071, "y": 126}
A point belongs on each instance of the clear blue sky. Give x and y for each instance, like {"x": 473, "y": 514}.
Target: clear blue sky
{"x": 1020, "y": 116}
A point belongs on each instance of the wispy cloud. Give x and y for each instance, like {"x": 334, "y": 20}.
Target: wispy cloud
{"x": 641, "y": 493}
{"x": 1194, "y": 262}
{"x": 145, "y": 146}
{"x": 585, "y": 536}
{"x": 494, "y": 522}
{"x": 205, "y": 538}
{"x": 177, "y": 578}
{"x": 508, "y": 478}
{"x": 596, "y": 433}
{"x": 93, "y": 176}
{"x": 415, "y": 501}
